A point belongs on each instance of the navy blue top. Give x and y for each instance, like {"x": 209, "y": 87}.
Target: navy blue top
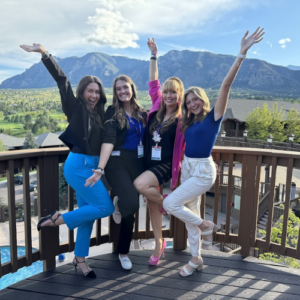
{"x": 134, "y": 134}
{"x": 200, "y": 137}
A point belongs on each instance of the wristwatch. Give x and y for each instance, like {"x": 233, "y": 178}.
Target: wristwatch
{"x": 99, "y": 170}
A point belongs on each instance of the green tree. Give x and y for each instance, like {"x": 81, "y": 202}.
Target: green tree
{"x": 2, "y": 147}
{"x": 291, "y": 241}
{"x": 276, "y": 128}
{"x": 293, "y": 124}
{"x": 258, "y": 122}
{"x": 30, "y": 142}
{"x": 28, "y": 119}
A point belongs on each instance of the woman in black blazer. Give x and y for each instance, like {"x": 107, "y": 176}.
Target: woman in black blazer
{"x": 84, "y": 137}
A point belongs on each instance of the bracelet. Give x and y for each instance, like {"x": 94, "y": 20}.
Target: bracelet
{"x": 154, "y": 53}
{"x": 153, "y": 57}
{"x": 45, "y": 54}
{"x": 241, "y": 55}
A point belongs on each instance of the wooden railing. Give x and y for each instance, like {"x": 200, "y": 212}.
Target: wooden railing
{"x": 232, "y": 141}
{"x": 252, "y": 161}
{"x": 48, "y": 160}
{"x": 263, "y": 205}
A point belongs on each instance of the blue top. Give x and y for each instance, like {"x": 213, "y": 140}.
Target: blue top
{"x": 134, "y": 134}
{"x": 200, "y": 137}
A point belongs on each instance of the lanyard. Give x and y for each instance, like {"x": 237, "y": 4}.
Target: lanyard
{"x": 160, "y": 126}
{"x": 139, "y": 132}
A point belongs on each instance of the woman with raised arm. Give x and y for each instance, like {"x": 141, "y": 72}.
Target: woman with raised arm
{"x": 84, "y": 136}
{"x": 163, "y": 145}
{"x": 121, "y": 155}
{"x": 198, "y": 172}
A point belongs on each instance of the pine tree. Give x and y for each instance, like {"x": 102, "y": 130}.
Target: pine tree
{"x": 30, "y": 142}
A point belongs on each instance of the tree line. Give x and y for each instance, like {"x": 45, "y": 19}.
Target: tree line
{"x": 264, "y": 121}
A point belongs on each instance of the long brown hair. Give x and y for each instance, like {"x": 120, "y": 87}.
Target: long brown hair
{"x": 171, "y": 84}
{"x": 188, "y": 118}
{"x": 98, "y": 112}
{"x": 120, "y": 115}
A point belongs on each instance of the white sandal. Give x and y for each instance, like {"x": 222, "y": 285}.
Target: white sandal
{"x": 184, "y": 272}
{"x": 206, "y": 244}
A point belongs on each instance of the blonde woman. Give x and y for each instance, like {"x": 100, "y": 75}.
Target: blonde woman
{"x": 122, "y": 158}
{"x": 163, "y": 146}
{"x": 201, "y": 126}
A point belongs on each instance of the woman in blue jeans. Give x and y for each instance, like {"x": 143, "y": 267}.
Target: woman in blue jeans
{"x": 84, "y": 136}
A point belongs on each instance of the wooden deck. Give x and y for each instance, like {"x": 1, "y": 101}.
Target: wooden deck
{"x": 224, "y": 277}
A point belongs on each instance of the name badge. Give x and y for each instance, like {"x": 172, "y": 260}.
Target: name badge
{"x": 156, "y": 153}
{"x": 140, "y": 151}
{"x": 116, "y": 153}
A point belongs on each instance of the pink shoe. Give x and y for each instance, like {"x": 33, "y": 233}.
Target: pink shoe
{"x": 162, "y": 210}
{"x": 153, "y": 261}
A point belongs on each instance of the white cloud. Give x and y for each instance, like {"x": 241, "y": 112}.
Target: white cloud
{"x": 283, "y": 42}
{"x": 111, "y": 29}
{"x": 271, "y": 45}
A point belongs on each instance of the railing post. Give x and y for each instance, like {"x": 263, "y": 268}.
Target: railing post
{"x": 2, "y": 214}
{"x": 248, "y": 213}
{"x": 180, "y": 235}
{"x": 36, "y": 207}
{"x": 48, "y": 180}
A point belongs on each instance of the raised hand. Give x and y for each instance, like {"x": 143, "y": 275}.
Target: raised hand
{"x": 247, "y": 42}
{"x": 152, "y": 46}
{"x": 34, "y": 48}
{"x": 93, "y": 179}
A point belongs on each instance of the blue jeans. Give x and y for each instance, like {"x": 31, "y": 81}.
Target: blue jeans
{"x": 93, "y": 202}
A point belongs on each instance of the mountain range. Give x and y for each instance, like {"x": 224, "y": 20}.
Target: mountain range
{"x": 203, "y": 69}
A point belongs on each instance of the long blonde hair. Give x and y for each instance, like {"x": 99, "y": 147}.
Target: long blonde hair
{"x": 171, "y": 84}
{"x": 120, "y": 115}
{"x": 188, "y": 118}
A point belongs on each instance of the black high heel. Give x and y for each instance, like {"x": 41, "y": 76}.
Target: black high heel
{"x": 90, "y": 273}
{"x": 49, "y": 217}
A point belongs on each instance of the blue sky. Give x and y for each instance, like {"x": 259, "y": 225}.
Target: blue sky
{"x": 121, "y": 27}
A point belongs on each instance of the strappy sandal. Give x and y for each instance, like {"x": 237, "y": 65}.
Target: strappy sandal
{"x": 207, "y": 243}
{"x": 49, "y": 217}
{"x": 90, "y": 273}
{"x": 184, "y": 272}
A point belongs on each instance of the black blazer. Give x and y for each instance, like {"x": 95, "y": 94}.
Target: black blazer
{"x": 77, "y": 135}
{"x": 113, "y": 134}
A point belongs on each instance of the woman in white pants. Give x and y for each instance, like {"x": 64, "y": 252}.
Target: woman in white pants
{"x": 201, "y": 126}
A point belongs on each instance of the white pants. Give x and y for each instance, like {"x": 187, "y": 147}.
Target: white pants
{"x": 197, "y": 177}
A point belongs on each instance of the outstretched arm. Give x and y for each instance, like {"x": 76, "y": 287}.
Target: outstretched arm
{"x": 153, "y": 70}
{"x": 246, "y": 44}
{"x": 64, "y": 85}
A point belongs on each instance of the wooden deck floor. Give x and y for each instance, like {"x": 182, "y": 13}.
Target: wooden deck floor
{"x": 223, "y": 277}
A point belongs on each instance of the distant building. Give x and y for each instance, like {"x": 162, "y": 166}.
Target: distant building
{"x": 44, "y": 140}
{"x": 234, "y": 122}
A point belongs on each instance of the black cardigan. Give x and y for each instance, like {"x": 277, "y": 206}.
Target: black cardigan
{"x": 113, "y": 134}
{"x": 77, "y": 136}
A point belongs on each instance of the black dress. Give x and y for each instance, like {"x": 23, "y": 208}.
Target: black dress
{"x": 162, "y": 169}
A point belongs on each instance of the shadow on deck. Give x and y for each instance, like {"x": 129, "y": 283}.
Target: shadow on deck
{"x": 224, "y": 276}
